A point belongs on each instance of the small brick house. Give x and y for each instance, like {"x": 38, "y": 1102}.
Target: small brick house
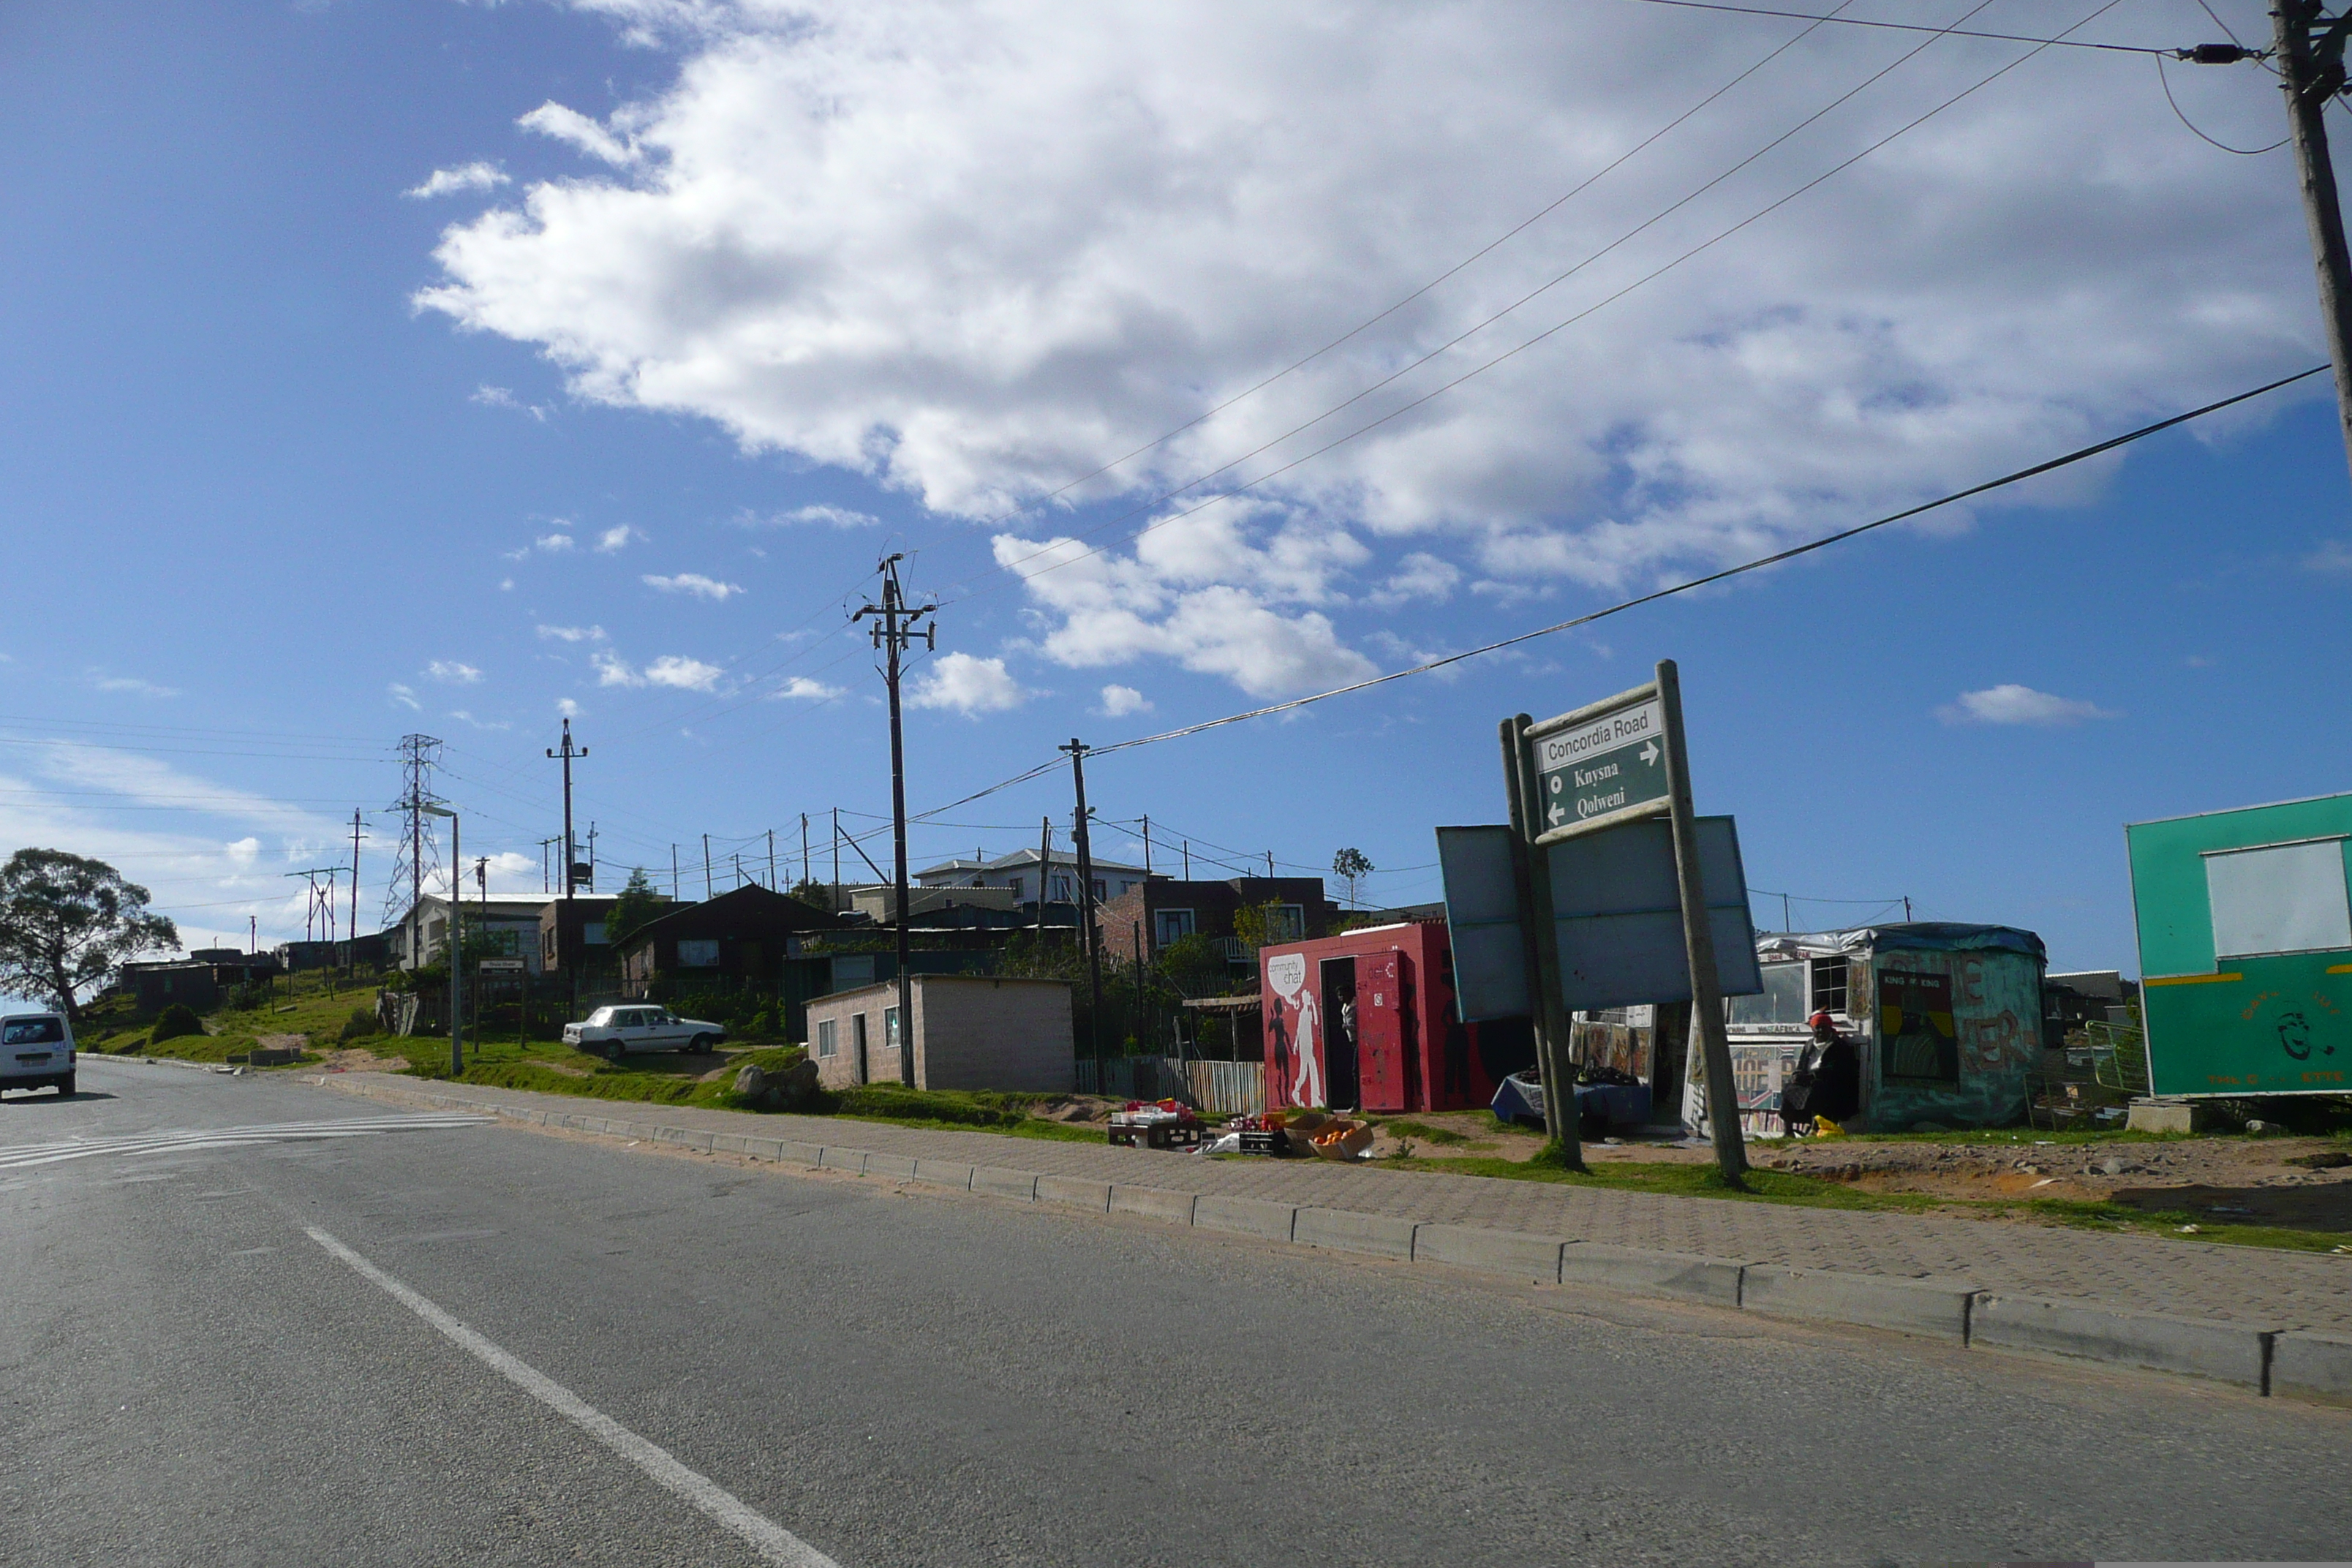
{"x": 739, "y": 936}
{"x": 971, "y": 1032}
{"x": 1162, "y": 910}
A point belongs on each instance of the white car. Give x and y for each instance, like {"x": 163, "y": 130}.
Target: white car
{"x": 612, "y": 1032}
{"x": 37, "y": 1049}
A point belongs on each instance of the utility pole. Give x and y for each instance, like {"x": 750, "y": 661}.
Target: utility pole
{"x": 804, "y": 854}
{"x": 1187, "y": 859}
{"x": 674, "y": 886}
{"x": 355, "y": 889}
{"x": 1146, "y": 844}
{"x": 2307, "y": 47}
{"x": 771, "y": 862}
{"x": 739, "y": 869}
{"x": 571, "y": 855}
{"x": 1044, "y": 873}
{"x": 707, "y": 892}
{"x": 894, "y": 634}
{"x": 418, "y": 756}
{"x": 545, "y": 885}
{"x": 1077, "y": 750}
{"x": 836, "y": 856}
{"x": 1269, "y": 865}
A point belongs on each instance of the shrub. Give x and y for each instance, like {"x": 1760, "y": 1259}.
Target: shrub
{"x": 361, "y": 1025}
{"x": 174, "y": 1021}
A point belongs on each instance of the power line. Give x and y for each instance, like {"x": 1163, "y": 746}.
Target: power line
{"x": 1476, "y": 371}
{"x": 1760, "y": 563}
{"x": 2059, "y": 42}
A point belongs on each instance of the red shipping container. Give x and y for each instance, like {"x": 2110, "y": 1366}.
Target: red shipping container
{"x": 1365, "y": 1021}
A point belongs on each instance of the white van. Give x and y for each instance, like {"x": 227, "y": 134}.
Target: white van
{"x": 36, "y": 1048}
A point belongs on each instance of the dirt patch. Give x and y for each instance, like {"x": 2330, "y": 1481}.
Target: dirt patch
{"x": 358, "y": 1059}
{"x": 2243, "y": 1180}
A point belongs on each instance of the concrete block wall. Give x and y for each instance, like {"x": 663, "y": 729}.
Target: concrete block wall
{"x": 979, "y": 1031}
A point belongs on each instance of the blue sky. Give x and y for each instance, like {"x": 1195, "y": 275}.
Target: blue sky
{"x": 298, "y": 461}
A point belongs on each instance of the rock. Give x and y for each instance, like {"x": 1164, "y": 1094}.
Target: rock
{"x": 2256, "y": 1127}
{"x": 2112, "y": 1166}
{"x": 785, "y": 1090}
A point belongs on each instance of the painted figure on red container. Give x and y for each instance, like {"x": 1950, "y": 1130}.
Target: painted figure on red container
{"x": 1286, "y": 974}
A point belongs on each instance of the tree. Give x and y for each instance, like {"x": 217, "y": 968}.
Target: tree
{"x": 636, "y": 908}
{"x": 1351, "y": 867}
{"x": 68, "y": 923}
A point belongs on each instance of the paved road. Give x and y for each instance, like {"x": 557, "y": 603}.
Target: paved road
{"x": 814, "y": 1368}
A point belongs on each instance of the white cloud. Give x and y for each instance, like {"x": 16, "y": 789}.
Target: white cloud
{"x": 2014, "y": 704}
{"x": 799, "y": 517}
{"x": 687, "y": 674}
{"x": 569, "y": 125}
{"x": 1118, "y": 702}
{"x": 1420, "y": 576}
{"x": 966, "y": 685}
{"x": 451, "y": 673}
{"x": 403, "y": 694}
{"x": 976, "y": 253}
{"x": 694, "y": 582}
{"x": 566, "y": 708}
{"x": 559, "y": 542}
{"x": 506, "y": 584}
{"x": 2333, "y": 555}
{"x": 802, "y": 688}
{"x": 130, "y": 685}
{"x": 616, "y": 538}
{"x": 465, "y": 717}
{"x": 244, "y": 851}
{"x": 572, "y": 633}
{"x": 491, "y": 396}
{"x": 670, "y": 669}
{"x": 476, "y": 176}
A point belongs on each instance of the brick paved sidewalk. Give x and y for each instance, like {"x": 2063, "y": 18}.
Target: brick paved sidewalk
{"x": 2126, "y": 1273}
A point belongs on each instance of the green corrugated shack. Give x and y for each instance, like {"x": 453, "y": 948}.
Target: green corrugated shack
{"x": 2245, "y": 948}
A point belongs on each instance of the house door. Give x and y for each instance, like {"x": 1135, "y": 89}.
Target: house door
{"x": 1379, "y": 1034}
{"x": 1340, "y": 1082}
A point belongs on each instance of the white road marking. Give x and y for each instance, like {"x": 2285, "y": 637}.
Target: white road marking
{"x": 175, "y": 1142}
{"x": 774, "y": 1543}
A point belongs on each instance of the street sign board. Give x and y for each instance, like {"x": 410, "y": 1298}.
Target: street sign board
{"x": 1485, "y": 923}
{"x": 2245, "y": 948}
{"x": 1617, "y": 913}
{"x": 1600, "y": 765}
{"x": 502, "y": 966}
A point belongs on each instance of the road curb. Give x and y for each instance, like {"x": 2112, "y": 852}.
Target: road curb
{"x": 2285, "y": 1361}
{"x": 1936, "y": 1310}
{"x": 2307, "y": 1366}
{"x": 2226, "y": 1353}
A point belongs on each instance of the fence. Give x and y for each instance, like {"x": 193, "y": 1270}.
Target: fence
{"x": 1217, "y": 1089}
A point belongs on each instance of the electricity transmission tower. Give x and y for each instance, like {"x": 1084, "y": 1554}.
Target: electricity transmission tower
{"x": 318, "y": 909}
{"x": 417, "y": 856}
{"x": 894, "y": 632}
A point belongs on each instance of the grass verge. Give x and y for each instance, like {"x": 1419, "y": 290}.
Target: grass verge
{"x": 1812, "y": 1192}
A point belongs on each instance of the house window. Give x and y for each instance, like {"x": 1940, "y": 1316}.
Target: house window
{"x": 1829, "y": 985}
{"x": 1781, "y": 1002}
{"x": 1100, "y": 894}
{"x": 2284, "y": 898}
{"x": 1014, "y": 883}
{"x": 890, "y": 1027}
{"x": 1170, "y": 925}
{"x": 698, "y": 953}
{"x": 827, "y": 1041}
{"x": 593, "y": 933}
{"x": 1289, "y": 922}
{"x": 1062, "y": 886}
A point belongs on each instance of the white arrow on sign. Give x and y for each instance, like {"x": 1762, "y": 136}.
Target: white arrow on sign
{"x": 1554, "y": 814}
{"x": 1649, "y": 754}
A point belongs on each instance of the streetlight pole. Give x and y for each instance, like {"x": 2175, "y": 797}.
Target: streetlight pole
{"x": 456, "y": 945}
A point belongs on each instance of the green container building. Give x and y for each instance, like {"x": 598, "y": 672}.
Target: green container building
{"x": 2245, "y": 948}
